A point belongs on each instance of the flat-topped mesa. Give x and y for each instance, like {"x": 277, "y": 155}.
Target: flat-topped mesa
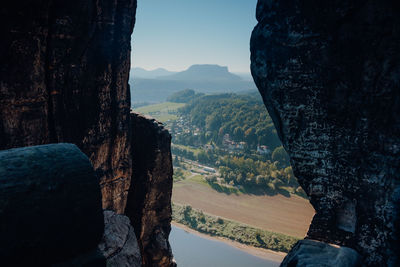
{"x": 328, "y": 72}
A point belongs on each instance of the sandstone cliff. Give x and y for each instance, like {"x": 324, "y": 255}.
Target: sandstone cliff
{"x": 149, "y": 200}
{"x": 329, "y": 73}
{"x": 64, "y": 78}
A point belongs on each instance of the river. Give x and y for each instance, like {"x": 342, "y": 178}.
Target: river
{"x": 191, "y": 250}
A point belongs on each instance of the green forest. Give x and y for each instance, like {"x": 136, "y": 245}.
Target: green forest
{"x": 243, "y": 117}
{"x": 225, "y": 131}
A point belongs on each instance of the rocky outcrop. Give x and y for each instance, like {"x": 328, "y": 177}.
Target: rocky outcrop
{"x": 149, "y": 199}
{"x": 119, "y": 245}
{"x": 314, "y": 253}
{"x": 64, "y": 78}
{"x": 50, "y": 207}
{"x": 329, "y": 73}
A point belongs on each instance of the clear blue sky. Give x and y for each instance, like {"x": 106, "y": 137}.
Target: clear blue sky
{"x": 175, "y": 34}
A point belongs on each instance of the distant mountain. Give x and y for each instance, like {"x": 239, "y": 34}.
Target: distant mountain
{"x": 209, "y": 79}
{"x": 203, "y": 73}
{"x": 149, "y": 74}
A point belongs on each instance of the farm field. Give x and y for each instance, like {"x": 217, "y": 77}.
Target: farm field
{"x": 195, "y": 151}
{"x": 163, "y": 112}
{"x": 288, "y": 215}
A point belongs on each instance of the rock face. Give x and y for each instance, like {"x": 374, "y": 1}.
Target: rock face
{"x": 64, "y": 78}
{"x": 149, "y": 200}
{"x": 313, "y": 253}
{"x": 45, "y": 217}
{"x": 329, "y": 73}
{"x": 119, "y": 245}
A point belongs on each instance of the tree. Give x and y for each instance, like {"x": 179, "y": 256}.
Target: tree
{"x": 187, "y": 209}
{"x": 250, "y": 178}
{"x": 260, "y": 180}
{"x": 239, "y": 178}
{"x": 184, "y": 96}
{"x": 290, "y": 176}
{"x": 211, "y": 179}
{"x": 202, "y": 156}
{"x": 281, "y": 156}
{"x": 238, "y": 134}
{"x": 178, "y": 174}
{"x": 176, "y": 161}
{"x": 213, "y": 122}
{"x": 224, "y": 171}
{"x": 250, "y": 136}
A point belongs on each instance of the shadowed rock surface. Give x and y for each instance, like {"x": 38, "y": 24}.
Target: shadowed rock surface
{"x": 64, "y": 78}
{"x": 329, "y": 73}
{"x": 50, "y": 205}
{"x": 314, "y": 253}
{"x": 119, "y": 245}
{"x": 149, "y": 200}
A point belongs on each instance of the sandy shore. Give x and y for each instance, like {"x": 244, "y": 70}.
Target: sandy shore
{"x": 258, "y": 252}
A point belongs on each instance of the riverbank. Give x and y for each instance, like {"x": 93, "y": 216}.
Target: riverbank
{"x": 258, "y": 252}
{"x": 238, "y": 232}
{"x": 275, "y": 213}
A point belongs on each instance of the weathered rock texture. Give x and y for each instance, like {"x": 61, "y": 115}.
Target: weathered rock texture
{"x": 329, "y": 73}
{"x": 119, "y": 245}
{"x": 64, "y": 78}
{"x": 314, "y": 253}
{"x": 149, "y": 201}
{"x": 50, "y": 205}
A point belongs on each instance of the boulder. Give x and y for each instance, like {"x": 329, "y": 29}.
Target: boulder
{"x": 312, "y": 253}
{"x": 50, "y": 205}
{"x": 119, "y": 245}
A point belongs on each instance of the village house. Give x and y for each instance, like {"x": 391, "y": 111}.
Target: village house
{"x": 263, "y": 150}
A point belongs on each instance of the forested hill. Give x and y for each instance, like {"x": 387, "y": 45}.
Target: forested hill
{"x": 243, "y": 117}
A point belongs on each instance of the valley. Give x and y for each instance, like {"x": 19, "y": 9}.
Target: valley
{"x": 229, "y": 166}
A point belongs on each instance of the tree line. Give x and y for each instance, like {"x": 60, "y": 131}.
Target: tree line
{"x": 243, "y": 117}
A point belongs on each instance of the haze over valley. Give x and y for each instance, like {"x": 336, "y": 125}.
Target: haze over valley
{"x": 156, "y": 85}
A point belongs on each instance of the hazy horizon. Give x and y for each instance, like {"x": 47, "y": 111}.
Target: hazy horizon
{"x": 164, "y": 68}
{"x": 177, "y": 34}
